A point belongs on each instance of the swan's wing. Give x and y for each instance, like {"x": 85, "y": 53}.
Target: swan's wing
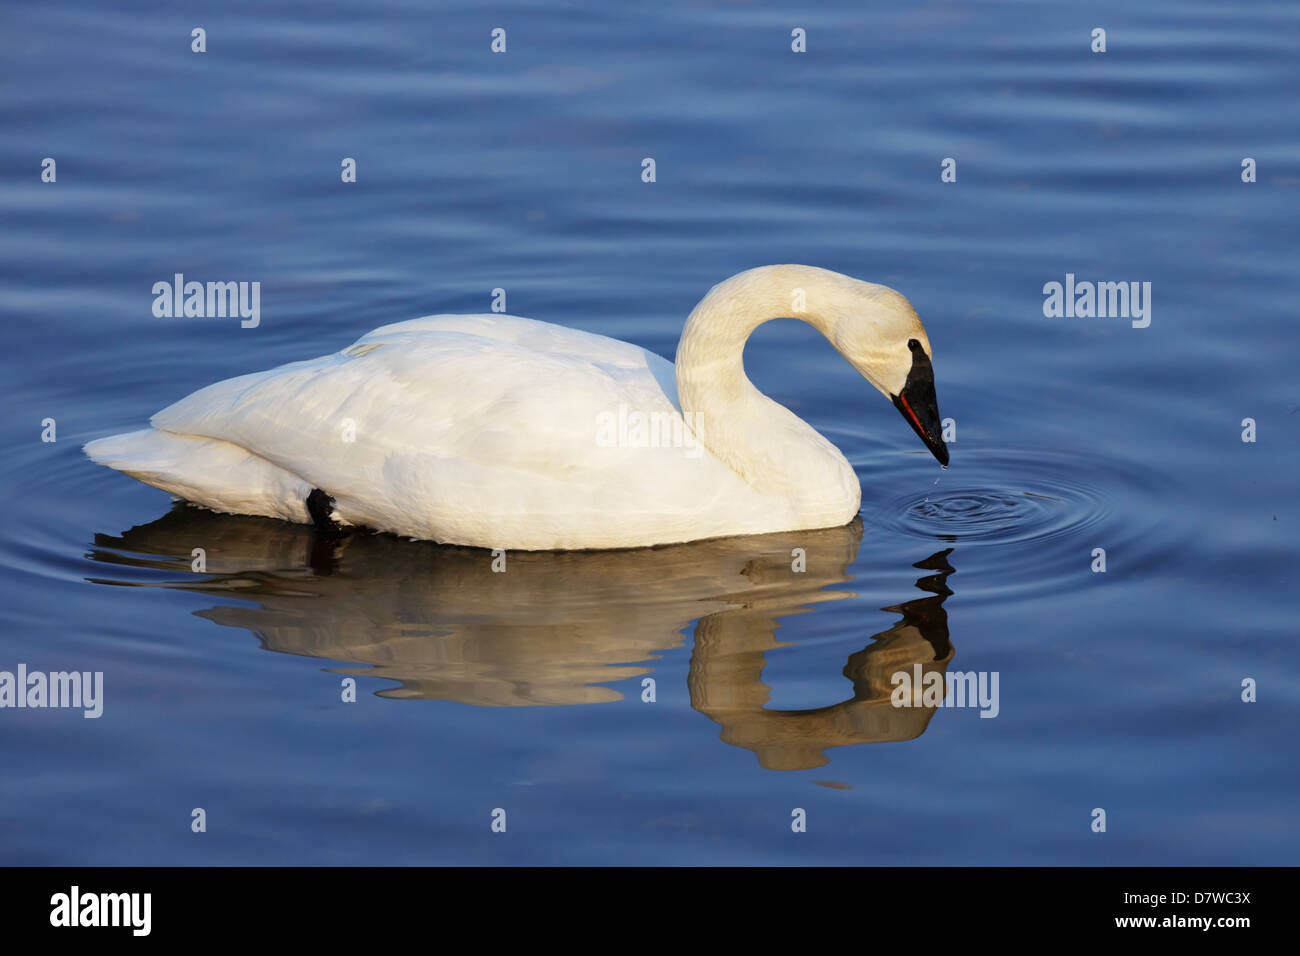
{"x": 466, "y": 386}
{"x": 462, "y": 422}
{"x": 515, "y": 330}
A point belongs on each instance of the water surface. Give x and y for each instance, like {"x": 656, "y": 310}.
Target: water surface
{"x": 524, "y": 691}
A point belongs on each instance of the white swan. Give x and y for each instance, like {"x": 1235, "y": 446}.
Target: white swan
{"x": 501, "y": 432}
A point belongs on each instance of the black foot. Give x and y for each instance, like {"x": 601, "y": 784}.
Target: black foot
{"x": 323, "y": 555}
{"x": 319, "y": 506}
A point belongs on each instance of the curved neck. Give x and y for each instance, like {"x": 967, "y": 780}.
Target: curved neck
{"x": 763, "y": 442}
{"x": 710, "y": 355}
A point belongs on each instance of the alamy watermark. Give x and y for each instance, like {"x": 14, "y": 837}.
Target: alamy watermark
{"x": 633, "y": 428}
{"x": 951, "y": 689}
{"x": 75, "y": 908}
{"x": 36, "y": 689}
{"x": 208, "y": 300}
{"x": 1102, "y": 300}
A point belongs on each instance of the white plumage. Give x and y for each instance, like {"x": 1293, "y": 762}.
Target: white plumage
{"x": 503, "y": 432}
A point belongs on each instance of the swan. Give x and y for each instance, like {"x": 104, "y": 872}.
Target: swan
{"x": 502, "y": 432}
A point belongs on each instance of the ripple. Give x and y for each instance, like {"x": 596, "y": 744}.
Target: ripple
{"x": 1010, "y": 496}
{"x": 997, "y": 515}
{"x": 1035, "y": 515}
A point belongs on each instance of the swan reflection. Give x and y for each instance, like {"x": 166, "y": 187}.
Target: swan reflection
{"x": 555, "y": 627}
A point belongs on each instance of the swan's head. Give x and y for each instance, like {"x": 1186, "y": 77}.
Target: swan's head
{"x": 879, "y": 332}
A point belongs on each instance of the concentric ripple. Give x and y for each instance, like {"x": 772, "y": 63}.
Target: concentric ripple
{"x": 1026, "y": 519}
{"x": 995, "y": 514}
{"x": 1006, "y": 497}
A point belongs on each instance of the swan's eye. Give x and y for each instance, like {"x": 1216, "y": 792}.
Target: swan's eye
{"x": 913, "y": 344}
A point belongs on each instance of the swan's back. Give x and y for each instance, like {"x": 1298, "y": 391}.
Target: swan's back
{"x": 478, "y": 429}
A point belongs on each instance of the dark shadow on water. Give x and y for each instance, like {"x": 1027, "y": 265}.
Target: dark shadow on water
{"x": 727, "y": 670}
{"x": 554, "y": 627}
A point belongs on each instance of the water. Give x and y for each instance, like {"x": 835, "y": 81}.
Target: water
{"x": 1119, "y": 690}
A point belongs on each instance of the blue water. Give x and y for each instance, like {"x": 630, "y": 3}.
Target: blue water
{"x": 1118, "y": 690}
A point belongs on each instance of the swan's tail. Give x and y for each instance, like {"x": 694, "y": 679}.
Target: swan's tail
{"x": 205, "y": 471}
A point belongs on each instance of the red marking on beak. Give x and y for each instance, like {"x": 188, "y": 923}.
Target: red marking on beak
{"x": 903, "y": 398}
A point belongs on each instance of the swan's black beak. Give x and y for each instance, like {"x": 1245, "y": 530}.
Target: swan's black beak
{"x": 920, "y": 407}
